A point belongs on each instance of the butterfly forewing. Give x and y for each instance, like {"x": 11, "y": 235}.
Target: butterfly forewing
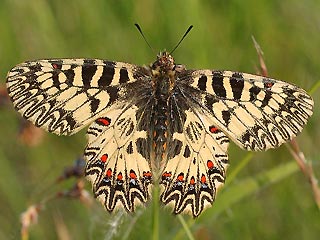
{"x": 63, "y": 95}
{"x": 256, "y": 112}
{"x": 159, "y": 125}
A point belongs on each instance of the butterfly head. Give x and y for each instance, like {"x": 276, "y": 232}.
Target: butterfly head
{"x": 164, "y": 64}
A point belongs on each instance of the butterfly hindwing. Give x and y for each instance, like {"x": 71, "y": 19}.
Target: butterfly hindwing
{"x": 192, "y": 177}
{"x": 63, "y": 95}
{"x": 120, "y": 175}
{"x": 256, "y": 112}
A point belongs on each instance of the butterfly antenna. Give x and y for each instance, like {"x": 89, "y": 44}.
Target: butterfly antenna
{"x": 140, "y": 31}
{"x": 184, "y": 35}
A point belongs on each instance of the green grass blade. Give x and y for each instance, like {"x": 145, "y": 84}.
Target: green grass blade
{"x": 314, "y": 87}
{"x": 186, "y": 227}
{"x": 155, "y": 210}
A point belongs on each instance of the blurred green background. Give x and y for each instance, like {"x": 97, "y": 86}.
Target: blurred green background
{"x": 266, "y": 197}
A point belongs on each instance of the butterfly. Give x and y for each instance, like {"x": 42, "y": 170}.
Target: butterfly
{"x": 158, "y": 125}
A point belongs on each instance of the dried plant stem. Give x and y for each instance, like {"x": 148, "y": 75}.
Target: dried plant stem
{"x": 306, "y": 168}
{"x": 294, "y": 149}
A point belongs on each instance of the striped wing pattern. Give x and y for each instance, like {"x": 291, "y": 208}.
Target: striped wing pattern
{"x": 159, "y": 125}
{"x": 120, "y": 175}
{"x": 192, "y": 177}
{"x": 256, "y": 112}
{"x": 62, "y": 96}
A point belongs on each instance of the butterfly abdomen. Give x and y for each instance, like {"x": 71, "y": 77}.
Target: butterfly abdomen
{"x": 163, "y": 84}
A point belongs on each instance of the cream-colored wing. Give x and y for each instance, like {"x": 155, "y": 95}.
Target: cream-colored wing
{"x": 117, "y": 165}
{"x": 196, "y": 166}
{"x": 64, "y": 95}
{"x": 257, "y": 113}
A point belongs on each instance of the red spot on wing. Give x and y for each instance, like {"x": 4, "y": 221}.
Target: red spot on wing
{"x": 55, "y": 66}
{"x": 268, "y": 84}
{"x": 210, "y": 164}
{"x": 109, "y": 173}
{"x": 147, "y": 174}
{"x": 104, "y": 158}
{"x": 119, "y": 177}
{"x": 180, "y": 177}
{"x": 166, "y": 175}
{"x": 213, "y": 129}
{"x": 203, "y": 178}
{"x": 132, "y": 174}
{"x": 103, "y": 121}
{"x": 192, "y": 181}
